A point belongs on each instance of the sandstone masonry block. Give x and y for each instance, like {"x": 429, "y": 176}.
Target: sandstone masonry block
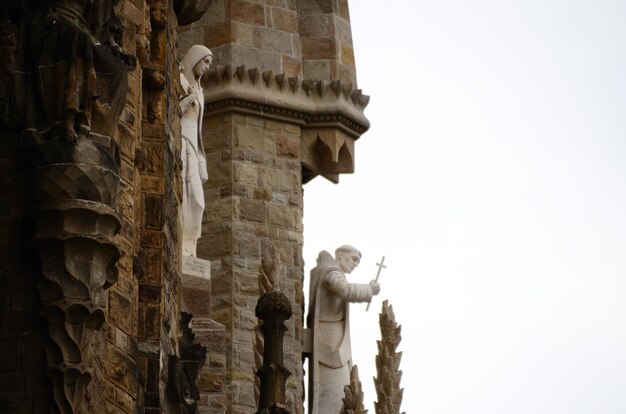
{"x": 120, "y": 313}
{"x": 288, "y": 146}
{"x": 246, "y": 174}
{"x": 319, "y": 48}
{"x": 285, "y": 20}
{"x": 291, "y": 66}
{"x": 277, "y": 41}
{"x": 252, "y": 210}
{"x": 250, "y": 137}
{"x": 248, "y": 12}
{"x": 209, "y": 381}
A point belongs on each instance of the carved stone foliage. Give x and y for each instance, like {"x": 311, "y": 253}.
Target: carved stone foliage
{"x": 353, "y": 401}
{"x": 183, "y": 369}
{"x": 388, "y": 376}
{"x": 274, "y": 309}
{"x": 64, "y": 91}
{"x": 72, "y": 193}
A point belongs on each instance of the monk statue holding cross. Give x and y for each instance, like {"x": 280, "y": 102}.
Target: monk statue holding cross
{"x": 327, "y": 339}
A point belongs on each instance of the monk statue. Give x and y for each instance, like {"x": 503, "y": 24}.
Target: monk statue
{"x": 194, "y": 64}
{"x": 328, "y": 320}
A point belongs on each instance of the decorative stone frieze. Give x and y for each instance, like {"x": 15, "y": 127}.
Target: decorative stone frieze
{"x": 330, "y": 113}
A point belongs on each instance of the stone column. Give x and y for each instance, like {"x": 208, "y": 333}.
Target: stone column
{"x": 267, "y": 131}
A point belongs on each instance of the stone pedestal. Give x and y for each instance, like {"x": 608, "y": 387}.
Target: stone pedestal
{"x": 196, "y": 291}
{"x": 196, "y": 286}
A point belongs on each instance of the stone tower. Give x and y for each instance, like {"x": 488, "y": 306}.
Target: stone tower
{"x": 95, "y": 314}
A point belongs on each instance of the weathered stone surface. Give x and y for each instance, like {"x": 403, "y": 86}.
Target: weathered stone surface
{"x": 248, "y": 12}
{"x": 263, "y": 109}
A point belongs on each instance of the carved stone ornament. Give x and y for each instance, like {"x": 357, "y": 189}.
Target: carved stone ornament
{"x": 67, "y": 92}
{"x": 330, "y": 113}
{"x": 274, "y": 309}
{"x": 73, "y": 191}
{"x": 183, "y": 369}
{"x": 189, "y": 11}
{"x": 388, "y": 371}
{"x": 353, "y": 401}
{"x": 269, "y": 271}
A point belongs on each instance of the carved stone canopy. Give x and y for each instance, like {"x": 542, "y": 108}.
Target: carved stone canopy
{"x": 329, "y": 113}
{"x": 189, "y": 11}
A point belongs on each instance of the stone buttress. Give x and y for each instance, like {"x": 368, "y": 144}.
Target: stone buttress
{"x": 281, "y": 108}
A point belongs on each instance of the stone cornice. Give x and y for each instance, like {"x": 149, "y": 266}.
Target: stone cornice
{"x": 305, "y": 102}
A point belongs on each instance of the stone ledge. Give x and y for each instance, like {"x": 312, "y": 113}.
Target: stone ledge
{"x": 305, "y": 102}
{"x": 329, "y": 113}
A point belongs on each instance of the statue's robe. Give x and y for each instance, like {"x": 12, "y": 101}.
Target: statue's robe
{"x": 328, "y": 319}
{"x": 193, "y": 155}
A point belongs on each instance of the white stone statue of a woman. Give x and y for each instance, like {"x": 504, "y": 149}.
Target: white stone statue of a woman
{"x": 195, "y": 63}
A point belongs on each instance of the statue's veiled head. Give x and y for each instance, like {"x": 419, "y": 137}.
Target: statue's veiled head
{"x": 196, "y": 61}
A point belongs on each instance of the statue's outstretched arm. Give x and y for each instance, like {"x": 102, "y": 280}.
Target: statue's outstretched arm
{"x": 337, "y": 283}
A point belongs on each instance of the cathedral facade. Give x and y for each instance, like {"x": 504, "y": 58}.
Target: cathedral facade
{"x": 96, "y": 313}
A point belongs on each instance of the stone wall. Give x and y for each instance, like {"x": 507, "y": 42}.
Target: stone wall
{"x": 261, "y": 34}
{"x": 326, "y": 36}
{"x": 267, "y": 131}
{"x": 142, "y": 307}
{"x": 254, "y": 202}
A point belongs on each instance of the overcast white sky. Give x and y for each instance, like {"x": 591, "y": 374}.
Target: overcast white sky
{"x": 493, "y": 179}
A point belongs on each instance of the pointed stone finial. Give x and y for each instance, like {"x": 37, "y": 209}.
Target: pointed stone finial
{"x": 336, "y": 87}
{"x": 267, "y": 77}
{"x": 321, "y": 87}
{"x": 347, "y": 90}
{"x": 294, "y": 83}
{"x": 307, "y": 85}
{"x": 228, "y": 73}
{"x": 254, "y": 75}
{"x": 355, "y": 96}
{"x": 240, "y": 72}
{"x": 280, "y": 80}
{"x": 353, "y": 401}
{"x": 387, "y": 381}
{"x": 364, "y": 100}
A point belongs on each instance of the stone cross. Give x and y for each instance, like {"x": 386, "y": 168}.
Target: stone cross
{"x": 381, "y": 266}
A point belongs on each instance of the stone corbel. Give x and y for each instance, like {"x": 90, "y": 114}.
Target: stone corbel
{"x": 329, "y": 113}
{"x": 326, "y": 151}
{"x": 189, "y": 11}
